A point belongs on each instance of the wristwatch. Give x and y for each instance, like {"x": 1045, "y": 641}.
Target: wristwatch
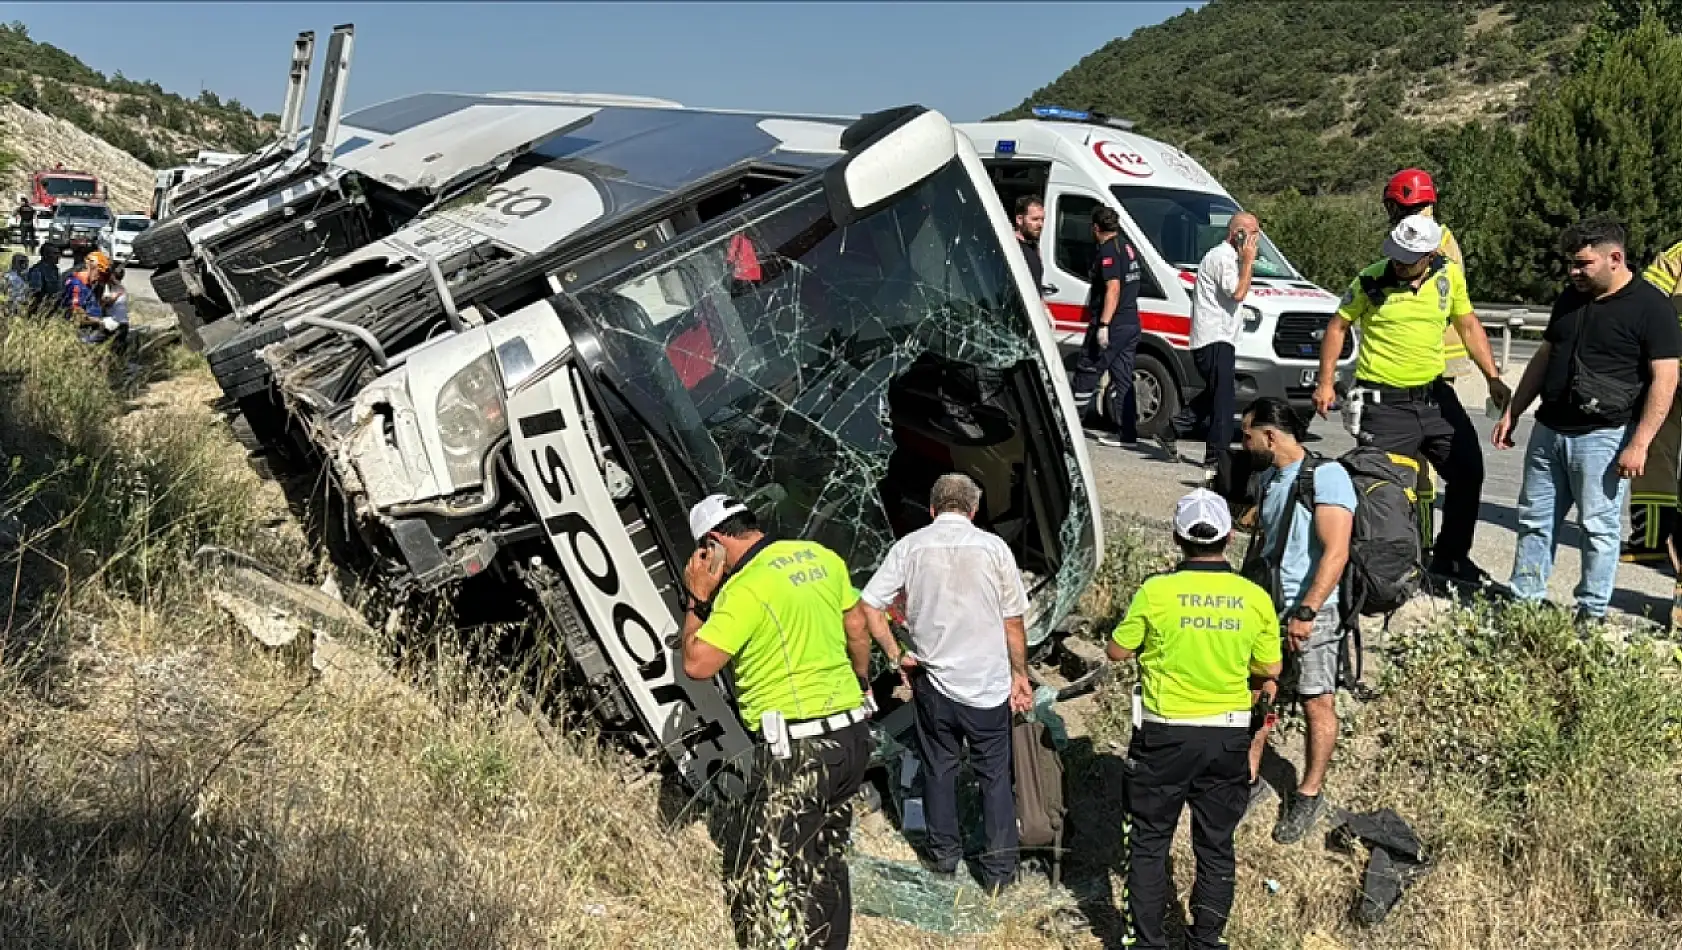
{"x": 1304, "y": 613}
{"x": 702, "y": 609}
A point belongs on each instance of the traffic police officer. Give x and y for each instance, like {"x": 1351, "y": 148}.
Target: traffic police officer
{"x": 1411, "y": 191}
{"x": 1402, "y": 303}
{"x": 1652, "y": 499}
{"x": 1200, "y": 632}
{"x": 786, "y": 615}
{"x": 1112, "y": 330}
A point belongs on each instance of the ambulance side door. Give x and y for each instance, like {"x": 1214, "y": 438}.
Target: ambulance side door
{"x": 1066, "y": 246}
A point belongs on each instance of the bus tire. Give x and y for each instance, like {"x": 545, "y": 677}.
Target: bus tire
{"x": 162, "y": 244}
{"x": 171, "y": 286}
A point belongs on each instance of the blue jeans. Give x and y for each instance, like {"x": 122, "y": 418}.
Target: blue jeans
{"x": 1559, "y": 471}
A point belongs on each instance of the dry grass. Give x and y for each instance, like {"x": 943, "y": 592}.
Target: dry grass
{"x": 1543, "y": 773}
{"x": 166, "y": 783}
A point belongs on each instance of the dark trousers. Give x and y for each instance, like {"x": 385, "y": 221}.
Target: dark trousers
{"x": 943, "y": 726}
{"x": 790, "y": 887}
{"x": 1218, "y": 365}
{"x": 1169, "y": 767}
{"x": 1429, "y": 421}
{"x": 1117, "y": 360}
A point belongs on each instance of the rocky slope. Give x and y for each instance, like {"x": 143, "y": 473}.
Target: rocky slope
{"x": 40, "y": 141}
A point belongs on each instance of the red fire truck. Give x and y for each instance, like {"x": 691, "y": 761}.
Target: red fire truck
{"x": 46, "y": 187}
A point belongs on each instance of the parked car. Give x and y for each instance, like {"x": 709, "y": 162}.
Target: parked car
{"x": 76, "y": 225}
{"x": 118, "y": 237}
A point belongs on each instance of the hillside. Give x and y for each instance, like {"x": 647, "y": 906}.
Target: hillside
{"x": 157, "y": 128}
{"x": 35, "y": 141}
{"x": 1321, "y": 97}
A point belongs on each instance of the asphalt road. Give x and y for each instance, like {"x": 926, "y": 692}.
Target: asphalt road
{"x": 138, "y": 281}
{"x": 1140, "y": 481}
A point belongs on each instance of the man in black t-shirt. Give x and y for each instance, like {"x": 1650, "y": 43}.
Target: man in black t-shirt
{"x": 1030, "y": 222}
{"x": 1606, "y": 372}
{"x": 1112, "y": 330}
{"x": 26, "y": 223}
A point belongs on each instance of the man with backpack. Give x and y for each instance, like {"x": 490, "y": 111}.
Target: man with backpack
{"x": 1298, "y": 555}
{"x": 1606, "y": 372}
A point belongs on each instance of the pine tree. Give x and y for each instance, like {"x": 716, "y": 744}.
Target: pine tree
{"x": 1608, "y": 138}
{"x": 1484, "y": 183}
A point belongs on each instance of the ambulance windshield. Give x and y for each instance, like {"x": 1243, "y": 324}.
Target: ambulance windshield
{"x": 1184, "y": 225}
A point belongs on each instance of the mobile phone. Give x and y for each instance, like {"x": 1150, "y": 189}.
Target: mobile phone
{"x": 1242, "y": 237}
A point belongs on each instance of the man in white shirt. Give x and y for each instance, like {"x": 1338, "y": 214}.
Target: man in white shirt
{"x": 1223, "y": 281}
{"x": 967, "y": 666}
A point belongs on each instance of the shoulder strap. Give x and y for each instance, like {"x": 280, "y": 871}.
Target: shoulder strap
{"x": 1303, "y": 491}
{"x": 1373, "y": 287}
{"x": 1582, "y": 331}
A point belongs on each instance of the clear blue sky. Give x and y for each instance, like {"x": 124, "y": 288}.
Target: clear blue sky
{"x": 968, "y": 60}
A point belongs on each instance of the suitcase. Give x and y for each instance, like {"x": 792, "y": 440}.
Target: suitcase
{"x": 1040, "y": 805}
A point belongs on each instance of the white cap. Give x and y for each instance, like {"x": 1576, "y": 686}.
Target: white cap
{"x": 712, "y": 511}
{"x": 1202, "y": 507}
{"x": 1413, "y": 237}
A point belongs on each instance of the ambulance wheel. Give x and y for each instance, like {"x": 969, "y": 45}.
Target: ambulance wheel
{"x": 1157, "y": 395}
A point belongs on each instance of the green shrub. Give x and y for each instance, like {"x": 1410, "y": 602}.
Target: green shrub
{"x": 126, "y": 505}
{"x": 1328, "y": 238}
{"x": 1133, "y": 550}
{"x": 1571, "y": 748}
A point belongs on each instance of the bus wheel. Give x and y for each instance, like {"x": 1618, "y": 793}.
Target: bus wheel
{"x": 1157, "y": 394}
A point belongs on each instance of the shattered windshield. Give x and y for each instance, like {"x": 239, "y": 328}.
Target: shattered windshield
{"x": 808, "y": 369}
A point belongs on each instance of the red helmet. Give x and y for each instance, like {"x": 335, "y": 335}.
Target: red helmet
{"x": 1411, "y": 187}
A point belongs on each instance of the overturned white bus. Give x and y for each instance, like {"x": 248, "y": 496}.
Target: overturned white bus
{"x": 524, "y": 389}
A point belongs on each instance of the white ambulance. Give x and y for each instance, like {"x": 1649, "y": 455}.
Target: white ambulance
{"x": 1173, "y": 211}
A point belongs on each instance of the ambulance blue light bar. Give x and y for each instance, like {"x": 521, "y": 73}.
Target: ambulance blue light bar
{"x": 1060, "y": 114}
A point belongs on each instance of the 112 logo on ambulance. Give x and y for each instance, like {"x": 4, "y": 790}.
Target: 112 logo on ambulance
{"x": 1123, "y": 159}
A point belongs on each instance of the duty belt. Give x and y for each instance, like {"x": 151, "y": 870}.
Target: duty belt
{"x": 1381, "y": 393}
{"x": 807, "y": 728}
{"x": 1239, "y": 720}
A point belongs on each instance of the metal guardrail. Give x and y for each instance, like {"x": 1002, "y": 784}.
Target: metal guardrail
{"x": 1509, "y": 319}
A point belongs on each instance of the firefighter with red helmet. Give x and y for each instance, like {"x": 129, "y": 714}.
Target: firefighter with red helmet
{"x": 1411, "y": 191}
{"x": 1653, "y": 494}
